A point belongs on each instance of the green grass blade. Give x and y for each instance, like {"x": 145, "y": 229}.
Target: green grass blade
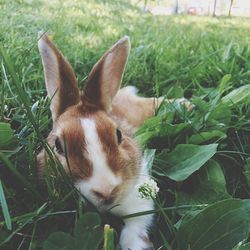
{"x": 32, "y": 245}
{"x": 5, "y": 208}
{"x": 200, "y": 206}
{"x": 21, "y": 93}
{"x": 25, "y": 222}
{"x": 16, "y": 173}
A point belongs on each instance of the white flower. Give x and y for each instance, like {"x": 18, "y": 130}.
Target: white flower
{"x": 148, "y": 189}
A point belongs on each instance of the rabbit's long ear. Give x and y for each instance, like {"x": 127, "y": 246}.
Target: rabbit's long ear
{"x": 105, "y": 78}
{"x": 60, "y": 79}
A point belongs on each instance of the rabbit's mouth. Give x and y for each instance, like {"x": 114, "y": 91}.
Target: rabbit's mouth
{"x": 106, "y": 206}
{"x": 114, "y": 209}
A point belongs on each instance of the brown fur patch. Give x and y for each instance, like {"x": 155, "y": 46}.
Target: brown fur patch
{"x": 92, "y": 93}
{"x": 68, "y": 90}
{"x": 79, "y": 165}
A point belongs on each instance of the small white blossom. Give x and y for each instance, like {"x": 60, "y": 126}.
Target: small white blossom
{"x": 148, "y": 189}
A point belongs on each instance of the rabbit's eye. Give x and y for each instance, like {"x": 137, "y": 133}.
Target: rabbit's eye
{"x": 58, "y": 145}
{"x": 119, "y": 135}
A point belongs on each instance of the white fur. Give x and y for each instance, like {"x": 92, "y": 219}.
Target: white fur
{"x": 103, "y": 180}
{"x": 131, "y": 90}
{"x": 135, "y": 227}
{"x": 131, "y": 202}
{"x": 133, "y": 231}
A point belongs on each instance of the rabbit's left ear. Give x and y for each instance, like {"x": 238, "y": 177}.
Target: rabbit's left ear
{"x": 60, "y": 78}
{"x": 105, "y": 78}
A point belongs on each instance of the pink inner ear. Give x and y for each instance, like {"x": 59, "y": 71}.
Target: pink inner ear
{"x": 59, "y": 77}
{"x": 68, "y": 90}
{"x": 105, "y": 78}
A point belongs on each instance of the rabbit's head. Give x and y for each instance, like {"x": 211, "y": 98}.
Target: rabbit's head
{"x": 102, "y": 160}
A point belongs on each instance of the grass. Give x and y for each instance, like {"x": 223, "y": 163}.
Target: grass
{"x": 201, "y": 58}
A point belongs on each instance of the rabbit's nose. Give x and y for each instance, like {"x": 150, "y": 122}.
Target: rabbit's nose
{"x": 104, "y": 194}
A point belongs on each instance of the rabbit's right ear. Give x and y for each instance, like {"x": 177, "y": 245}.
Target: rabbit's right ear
{"x": 60, "y": 79}
{"x": 105, "y": 78}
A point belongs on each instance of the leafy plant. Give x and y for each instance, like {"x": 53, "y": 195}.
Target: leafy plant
{"x": 219, "y": 226}
{"x": 6, "y": 135}
{"x": 199, "y": 158}
{"x": 184, "y": 160}
{"x": 88, "y": 234}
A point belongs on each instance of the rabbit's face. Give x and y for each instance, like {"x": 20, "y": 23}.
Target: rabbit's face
{"x": 102, "y": 161}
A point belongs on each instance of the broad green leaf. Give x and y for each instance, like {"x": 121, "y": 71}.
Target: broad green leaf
{"x": 220, "y": 114}
{"x": 187, "y": 214}
{"x": 160, "y": 125}
{"x": 6, "y": 134}
{"x": 160, "y": 129}
{"x": 208, "y": 187}
{"x": 200, "y": 105}
{"x": 60, "y": 241}
{"x": 152, "y": 124}
{"x": 144, "y": 138}
{"x": 88, "y": 232}
{"x": 148, "y": 157}
{"x": 88, "y": 220}
{"x": 237, "y": 95}
{"x": 205, "y": 136}
{"x": 219, "y": 226}
{"x": 5, "y": 209}
{"x": 184, "y": 160}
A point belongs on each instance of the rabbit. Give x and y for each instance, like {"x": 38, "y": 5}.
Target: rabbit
{"x": 96, "y": 130}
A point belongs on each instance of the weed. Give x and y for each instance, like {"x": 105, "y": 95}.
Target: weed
{"x": 200, "y": 159}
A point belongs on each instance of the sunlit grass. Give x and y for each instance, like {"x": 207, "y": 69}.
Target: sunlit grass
{"x": 171, "y": 55}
